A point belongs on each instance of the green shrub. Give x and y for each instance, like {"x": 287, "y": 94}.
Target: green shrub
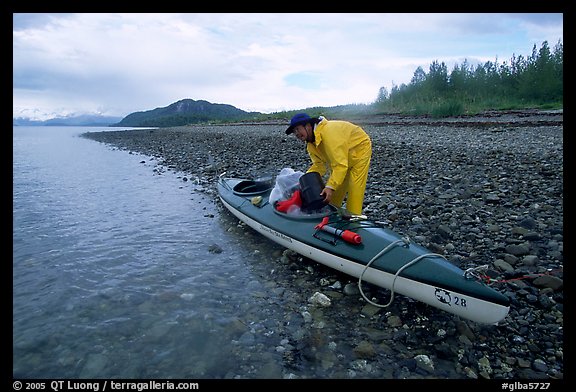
{"x": 448, "y": 109}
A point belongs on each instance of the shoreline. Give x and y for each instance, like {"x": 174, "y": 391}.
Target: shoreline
{"x": 484, "y": 193}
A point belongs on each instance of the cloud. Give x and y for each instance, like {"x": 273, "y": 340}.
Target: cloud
{"x": 121, "y": 63}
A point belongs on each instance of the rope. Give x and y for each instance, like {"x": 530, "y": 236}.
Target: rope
{"x": 474, "y": 272}
{"x": 406, "y": 242}
{"x": 224, "y": 182}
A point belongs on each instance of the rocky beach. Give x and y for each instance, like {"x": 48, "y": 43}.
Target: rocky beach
{"x": 484, "y": 191}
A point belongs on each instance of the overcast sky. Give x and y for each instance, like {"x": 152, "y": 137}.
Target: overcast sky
{"x": 117, "y": 64}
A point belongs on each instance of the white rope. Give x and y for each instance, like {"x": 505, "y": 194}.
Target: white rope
{"x": 405, "y": 241}
{"x": 474, "y": 272}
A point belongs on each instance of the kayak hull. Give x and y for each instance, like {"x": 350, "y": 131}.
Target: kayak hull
{"x": 383, "y": 258}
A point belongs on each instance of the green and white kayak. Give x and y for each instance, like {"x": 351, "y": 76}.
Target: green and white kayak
{"x": 376, "y": 254}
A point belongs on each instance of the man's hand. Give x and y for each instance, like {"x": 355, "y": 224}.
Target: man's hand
{"x": 327, "y": 194}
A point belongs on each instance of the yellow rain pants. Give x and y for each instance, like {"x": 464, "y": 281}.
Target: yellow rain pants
{"x": 344, "y": 149}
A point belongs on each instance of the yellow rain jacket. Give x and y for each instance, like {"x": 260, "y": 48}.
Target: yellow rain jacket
{"x": 345, "y": 150}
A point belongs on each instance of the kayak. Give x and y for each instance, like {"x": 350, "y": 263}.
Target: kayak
{"x": 366, "y": 250}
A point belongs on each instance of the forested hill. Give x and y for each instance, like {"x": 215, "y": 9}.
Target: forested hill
{"x": 533, "y": 81}
{"x": 183, "y": 112}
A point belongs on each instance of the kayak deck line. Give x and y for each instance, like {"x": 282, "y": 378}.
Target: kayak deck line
{"x": 404, "y": 241}
{"x": 383, "y": 258}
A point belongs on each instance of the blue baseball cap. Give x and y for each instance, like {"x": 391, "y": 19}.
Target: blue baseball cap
{"x": 299, "y": 119}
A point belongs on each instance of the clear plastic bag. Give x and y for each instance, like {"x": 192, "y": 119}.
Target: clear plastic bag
{"x": 286, "y": 184}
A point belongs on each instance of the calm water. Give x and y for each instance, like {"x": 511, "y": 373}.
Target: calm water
{"x": 122, "y": 269}
{"x": 121, "y": 272}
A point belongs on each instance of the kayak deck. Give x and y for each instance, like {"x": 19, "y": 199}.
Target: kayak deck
{"x": 394, "y": 262}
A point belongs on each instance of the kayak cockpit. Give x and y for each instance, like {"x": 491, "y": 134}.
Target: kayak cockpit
{"x": 251, "y": 188}
{"x": 316, "y": 215}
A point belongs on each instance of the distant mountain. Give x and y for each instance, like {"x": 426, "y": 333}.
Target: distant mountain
{"x": 186, "y": 111}
{"x": 85, "y": 120}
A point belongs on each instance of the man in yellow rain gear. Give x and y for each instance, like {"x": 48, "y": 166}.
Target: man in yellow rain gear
{"x": 343, "y": 148}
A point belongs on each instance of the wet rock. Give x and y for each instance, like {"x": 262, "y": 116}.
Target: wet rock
{"x": 320, "y": 299}
{"x": 370, "y": 310}
{"x": 518, "y": 250}
{"x": 214, "y": 248}
{"x": 394, "y": 321}
{"x": 351, "y": 289}
{"x": 549, "y": 281}
{"x": 424, "y": 362}
{"x": 365, "y": 349}
{"x": 482, "y": 195}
